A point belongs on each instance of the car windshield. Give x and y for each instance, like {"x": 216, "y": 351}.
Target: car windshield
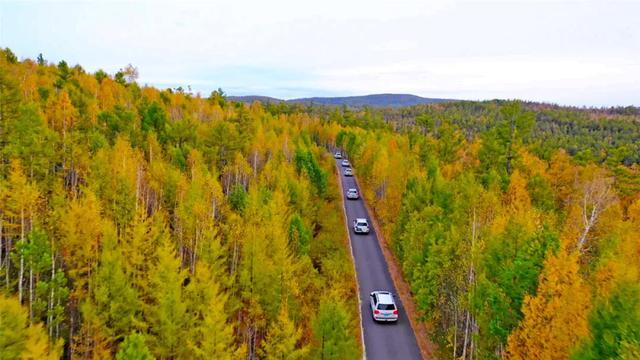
{"x": 361, "y": 223}
{"x": 386, "y": 307}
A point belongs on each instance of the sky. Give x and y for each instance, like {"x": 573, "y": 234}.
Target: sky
{"x": 571, "y": 52}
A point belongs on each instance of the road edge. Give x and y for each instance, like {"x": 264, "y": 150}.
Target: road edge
{"x": 353, "y": 258}
{"x": 427, "y": 349}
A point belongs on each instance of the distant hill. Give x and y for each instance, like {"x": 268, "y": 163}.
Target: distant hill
{"x": 252, "y": 98}
{"x": 375, "y": 100}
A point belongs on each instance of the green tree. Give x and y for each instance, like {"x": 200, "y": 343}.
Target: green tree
{"x": 36, "y": 253}
{"x": 64, "y": 74}
{"x": 238, "y": 198}
{"x": 167, "y": 316}
{"x": 299, "y": 235}
{"x": 306, "y": 163}
{"x": 120, "y": 78}
{"x": 31, "y": 141}
{"x": 101, "y": 75}
{"x": 218, "y": 97}
{"x": 134, "y": 348}
{"x": 614, "y": 325}
{"x": 332, "y": 334}
{"x": 116, "y": 300}
{"x": 10, "y": 56}
{"x": 512, "y": 129}
{"x": 509, "y": 273}
{"x": 154, "y": 118}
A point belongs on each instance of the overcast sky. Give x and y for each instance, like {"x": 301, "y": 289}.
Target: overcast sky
{"x": 576, "y": 52}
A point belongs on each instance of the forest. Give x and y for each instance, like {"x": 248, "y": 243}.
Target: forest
{"x": 128, "y": 213}
{"x": 511, "y": 252}
{"x": 137, "y": 223}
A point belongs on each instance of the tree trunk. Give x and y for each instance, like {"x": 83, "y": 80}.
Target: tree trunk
{"x": 71, "y": 327}
{"x": 58, "y": 322}
{"x": 1, "y": 243}
{"x": 194, "y": 252}
{"x": 138, "y": 183}
{"x": 466, "y": 336}
{"x": 8, "y": 261}
{"x": 236, "y": 255}
{"x": 30, "y": 294}
{"x": 255, "y": 162}
{"x": 455, "y": 330}
{"x": 21, "y": 277}
{"x": 469, "y": 322}
{"x": 472, "y": 341}
{"x": 51, "y": 293}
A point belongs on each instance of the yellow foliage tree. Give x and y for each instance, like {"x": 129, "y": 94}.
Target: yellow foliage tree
{"x": 20, "y": 208}
{"x": 517, "y": 196}
{"x": 81, "y": 233}
{"x": 61, "y": 114}
{"x": 556, "y": 318}
{"x": 593, "y": 194}
{"x": 18, "y": 340}
{"x": 282, "y": 339}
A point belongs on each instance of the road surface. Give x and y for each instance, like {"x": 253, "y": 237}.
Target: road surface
{"x": 382, "y": 340}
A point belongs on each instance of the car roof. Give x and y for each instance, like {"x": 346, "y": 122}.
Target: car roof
{"x": 352, "y": 189}
{"x": 385, "y": 297}
{"x": 361, "y": 220}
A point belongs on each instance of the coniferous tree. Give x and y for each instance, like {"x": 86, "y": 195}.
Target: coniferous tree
{"x": 18, "y": 339}
{"x": 167, "y": 313}
{"x": 331, "y": 332}
{"x": 134, "y": 348}
{"x": 555, "y": 320}
{"x": 281, "y": 342}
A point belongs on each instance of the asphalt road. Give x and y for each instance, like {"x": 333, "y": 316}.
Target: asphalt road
{"x": 382, "y": 340}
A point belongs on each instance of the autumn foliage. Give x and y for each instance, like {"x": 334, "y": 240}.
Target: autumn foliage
{"x": 145, "y": 223}
{"x": 138, "y": 223}
{"x": 513, "y": 248}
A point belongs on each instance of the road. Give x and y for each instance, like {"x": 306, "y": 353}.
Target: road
{"x": 382, "y": 340}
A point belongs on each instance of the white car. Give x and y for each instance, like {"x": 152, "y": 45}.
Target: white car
{"x": 353, "y": 194}
{"x": 361, "y": 226}
{"x": 345, "y": 163}
{"x": 348, "y": 172}
{"x": 383, "y": 307}
{"x": 337, "y": 155}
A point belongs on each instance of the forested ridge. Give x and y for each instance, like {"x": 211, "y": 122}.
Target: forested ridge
{"x": 129, "y": 213}
{"x": 610, "y": 135}
{"x": 137, "y": 223}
